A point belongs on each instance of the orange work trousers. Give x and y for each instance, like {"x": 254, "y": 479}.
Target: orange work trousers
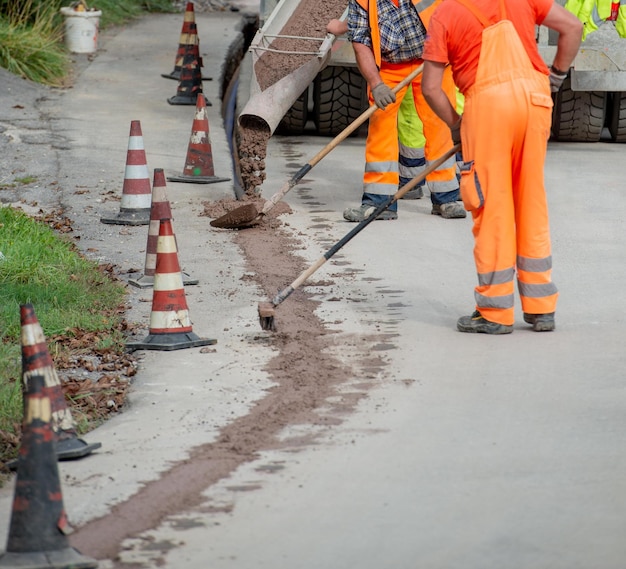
{"x": 381, "y": 176}
{"x": 505, "y": 130}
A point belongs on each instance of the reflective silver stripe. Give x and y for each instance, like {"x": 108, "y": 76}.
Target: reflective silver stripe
{"x": 407, "y": 172}
{"x": 449, "y": 163}
{"x": 496, "y": 277}
{"x": 439, "y": 187}
{"x": 446, "y": 185}
{"x": 380, "y": 189}
{"x": 534, "y": 265}
{"x": 536, "y": 290}
{"x": 410, "y": 152}
{"x": 381, "y": 166}
{"x": 421, "y": 6}
{"x": 502, "y": 302}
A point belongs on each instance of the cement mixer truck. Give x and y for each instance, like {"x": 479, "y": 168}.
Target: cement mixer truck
{"x": 590, "y": 106}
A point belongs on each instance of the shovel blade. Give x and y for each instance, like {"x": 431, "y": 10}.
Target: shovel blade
{"x": 239, "y": 217}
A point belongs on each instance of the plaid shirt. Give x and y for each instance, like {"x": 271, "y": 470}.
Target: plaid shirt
{"x": 402, "y": 33}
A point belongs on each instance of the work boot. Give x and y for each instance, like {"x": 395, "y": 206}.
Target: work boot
{"x": 364, "y": 211}
{"x": 450, "y": 210}
{"x": 541, "y": 322}
{"x": 414, "y": 194}
{"x": 478, "y": 325}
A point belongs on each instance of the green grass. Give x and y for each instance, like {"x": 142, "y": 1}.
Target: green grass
{"x": 70, "y": 295}
{"x": 31, "y": 33}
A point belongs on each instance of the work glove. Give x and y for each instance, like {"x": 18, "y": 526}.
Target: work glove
{"x": 455, "y": 132}
{"x": 556, "y": 79}
{"x": 383, "y": 96}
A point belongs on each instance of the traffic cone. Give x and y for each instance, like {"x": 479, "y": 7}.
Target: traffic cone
{"x": 170, "y": 326}
{"x": 188, "y": 31}
{"x": 190, "y": 84}
{"x": 38, "y": 528}
{"x": 160, "y": 210}
{"x": 36, "y": 360}
{"x": 136, "y": 192}
{"x": 198, "y": 167}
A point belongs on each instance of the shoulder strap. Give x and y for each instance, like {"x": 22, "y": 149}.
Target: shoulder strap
{"x": 374, "y": 31}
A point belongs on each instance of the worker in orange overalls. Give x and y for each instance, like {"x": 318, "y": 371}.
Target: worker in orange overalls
{"x": 491, "y": 48}
{"x": 387, "y": 37}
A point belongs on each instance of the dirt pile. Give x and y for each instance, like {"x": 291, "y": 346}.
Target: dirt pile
{"x": 308, "y": 21}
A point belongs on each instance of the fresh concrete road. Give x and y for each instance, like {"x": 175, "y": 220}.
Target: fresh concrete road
{"x": 470, "y": 452}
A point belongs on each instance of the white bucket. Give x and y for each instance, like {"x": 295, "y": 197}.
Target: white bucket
{"x": 81, "y": 29}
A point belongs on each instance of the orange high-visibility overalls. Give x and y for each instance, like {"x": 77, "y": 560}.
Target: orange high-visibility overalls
{"x": 381, "y": 176}
{"x": 506, "y": 125}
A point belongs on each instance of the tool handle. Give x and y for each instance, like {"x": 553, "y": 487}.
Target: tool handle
{"x": 356, "y": 123}
{"x": 286, "y": 292}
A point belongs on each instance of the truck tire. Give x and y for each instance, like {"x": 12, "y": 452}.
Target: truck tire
{"x": 339, "y": 97}
{"x": 294, "y": 121}
{"x": 578, "y": 116}
{"x": 617, "y": 119}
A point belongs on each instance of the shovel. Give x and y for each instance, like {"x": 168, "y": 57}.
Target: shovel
{"x": 267, "y": 309}
{"x": 249, "y": 214}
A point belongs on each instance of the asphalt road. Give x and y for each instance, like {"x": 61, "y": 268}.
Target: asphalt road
{"x": 469, "y": 452}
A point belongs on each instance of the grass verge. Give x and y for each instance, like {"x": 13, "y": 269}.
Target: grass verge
{"x": 79, "y": 305}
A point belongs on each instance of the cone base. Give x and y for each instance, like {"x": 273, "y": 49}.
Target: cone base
{"x": 147, "y": 281}
{"x": 173, "y": 341}
{"x": 128, "y": 217}
{"x": 173, "y": 75}
{"x": 67, "y": 449}
{"x": 60, "y": 559}
{"x": 70, "y": 449}
{"x": 176, "y": 76}
{"x": 184, "y": 100}
{"x": 196, "y": 179}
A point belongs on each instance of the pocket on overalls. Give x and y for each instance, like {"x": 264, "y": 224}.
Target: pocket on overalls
{"x": 470, "y": 188}
{"x": 541, "y": 119}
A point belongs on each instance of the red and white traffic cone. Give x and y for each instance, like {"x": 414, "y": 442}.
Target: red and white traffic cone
{"x": 36, "y": 360}
{"x": 170, "y": 326}
{"x": 136, "y": 191}
{"x": 198, "y": 167}
{"x": 160, "y": 210}
{"x": 38, "y": 529}
{"x": 188, "y": 31}
{"x": 190, "y": 84}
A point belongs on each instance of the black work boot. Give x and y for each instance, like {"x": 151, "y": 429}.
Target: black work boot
{"x": 541, "y": 322}
{"x": 478, "y": 325}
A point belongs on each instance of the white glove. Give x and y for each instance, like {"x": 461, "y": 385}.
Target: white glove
{"x": 556, "y": 79}
{"x": 383, "y": 95}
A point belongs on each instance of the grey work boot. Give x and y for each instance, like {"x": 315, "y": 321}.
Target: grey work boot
{"x": 414, "y": 194}
{"x": 450, "y": 210}
{"x": 476, "y": 324}
{"x": 364, "y": 211}
{"x": 541, "y": 322}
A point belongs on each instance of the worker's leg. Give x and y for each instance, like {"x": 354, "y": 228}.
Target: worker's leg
{"x": 411, "y": 159}
{"x": 381, "y": 178}
{"x": 442, "y": 183}
{"x": 488, "y": 127}
{"x": 538, "y": 294}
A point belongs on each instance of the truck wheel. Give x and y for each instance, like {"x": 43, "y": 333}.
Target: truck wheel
{"x": 339, "y": 97}
{"x": 578, "y": 116}
{"x": 296, "y": 117}
{"x": 617, "y": 120}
